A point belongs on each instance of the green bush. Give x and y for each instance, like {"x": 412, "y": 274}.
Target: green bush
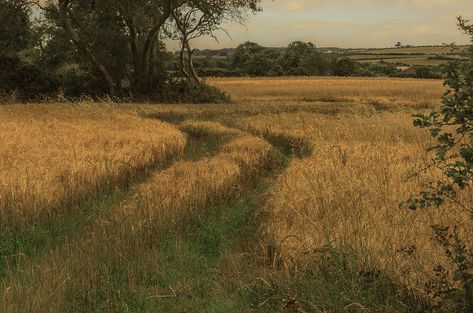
{"x": 79, "y": 83}
{"x": 345, "y": 67}
{"x": 27, "y": 81}
{"x": 452, "y": 129}
{"x": 185, "y": 91}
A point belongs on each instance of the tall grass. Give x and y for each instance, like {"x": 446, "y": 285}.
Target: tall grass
{"x": 329, "y": 237}
{"x": 347, "y": 194}
{"x": 381, "y": 92}
{"x": 115, "y": 265}
{"x": 56, "y": 156}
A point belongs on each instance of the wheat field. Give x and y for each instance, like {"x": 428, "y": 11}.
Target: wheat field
{"x": 56, "y": 154}
{"x": 348, "y": 190}
{"x": 377, "y": 91}
{"x": 287, "y": 200}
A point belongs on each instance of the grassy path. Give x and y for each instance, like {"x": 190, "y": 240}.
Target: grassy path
{"x": 223, "y": 266}
{"x": 211, "y": 264}
{"x": 202, "y": 240}
{"x": 208, "y": 268}
{"x": 211, "y": 259}
{"x": 26, "y": 242}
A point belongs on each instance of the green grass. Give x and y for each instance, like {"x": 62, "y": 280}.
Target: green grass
{"x": 202, "y": 267}
{"x": 408, "y": 60}
{"x": 334, "y": 281}
{"x": 21, "y": 243}
{"x": 24, "y": 243}
{"x": 208, "y": 266}
{"x": 214, "y": 262}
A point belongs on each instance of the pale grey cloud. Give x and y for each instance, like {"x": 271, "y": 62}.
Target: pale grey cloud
{"x": 351, "y": 23}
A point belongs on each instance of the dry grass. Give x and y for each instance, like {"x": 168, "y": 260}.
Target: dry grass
{"x": 202, "y": 129}
{"x": 427, "y": 50}
{"x": 355, "y": 158}
{"x": 122, "y": 251}
{"x": 382, "y": 91}
{"x": 54, "y": 155}
{"x": 347, "y": 193}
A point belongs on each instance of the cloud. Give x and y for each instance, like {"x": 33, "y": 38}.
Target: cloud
{"x": 308, "y": 26}
{"x": 351, "y": 23}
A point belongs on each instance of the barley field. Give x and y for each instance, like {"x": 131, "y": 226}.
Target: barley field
{"x": 377, "y": 91}
{"x": 286, "y": 200}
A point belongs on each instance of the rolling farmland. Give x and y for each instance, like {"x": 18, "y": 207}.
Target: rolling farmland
{"x": 286, "y": 200}
{"x": 408, "y": 56}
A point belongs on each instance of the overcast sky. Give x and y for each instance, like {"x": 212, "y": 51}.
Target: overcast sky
{"x": 350, "y": 23}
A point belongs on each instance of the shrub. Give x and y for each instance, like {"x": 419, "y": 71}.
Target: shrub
{"x": 452, "y": 129}
{"x": 79, "y": 83}
{"x": 345, "y": 67}
{"x": 27, "y": 81}
{"x": 185, "y": 91}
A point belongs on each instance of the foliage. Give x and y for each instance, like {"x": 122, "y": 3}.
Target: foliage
{"x": 262, "y": 64}
{"x": 378, "y": 69}
{"x": 25, "y": 80}
{"x": 452, "y": 129}
{"x": 244, "y": 53}
{"x": 14, "y": 32}
{"x": 302, "y": 58}
{"x": 426, "y": 72}
{"x": 299, "y": 58}
{"x": 185, "y": 91}
{"x": 120, "y": 42}
{"x": 344, "y": 67}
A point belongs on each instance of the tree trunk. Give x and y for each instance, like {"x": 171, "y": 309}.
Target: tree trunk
{"x": 146, "y": 54}
{"x": 135, "y": 54}
{"x": 152, "y": 59}
{"x": 182, "y": 62}
{"x": 107, "y": 78}
{"x": 190, "y": 64}
{"x": 133, "y": 40}
{"x": 150, "y": 42}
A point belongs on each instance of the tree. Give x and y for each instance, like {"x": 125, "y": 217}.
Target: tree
{"x": 120, "y": 38}
{"x": 137, "y": 23}
{"x": 344, "y": 67}
{"x": 14, "y": 33}
{"x": 398, "y": 44}
{"x": 203, "y": 18}
{"x": 452, "y": 129}
{"x": 263, "y": 63}
{"x": 296, "y": 53}
{"x": 243, "y": 53}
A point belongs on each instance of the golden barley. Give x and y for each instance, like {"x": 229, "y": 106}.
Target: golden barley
{"x": 52, "y": 155}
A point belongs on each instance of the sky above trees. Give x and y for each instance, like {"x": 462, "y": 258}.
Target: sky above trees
{"x": 350, "y": 23}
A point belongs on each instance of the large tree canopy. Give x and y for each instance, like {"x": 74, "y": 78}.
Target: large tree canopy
{"x": 14, "y": 32}
{"x": 119, "y": 39}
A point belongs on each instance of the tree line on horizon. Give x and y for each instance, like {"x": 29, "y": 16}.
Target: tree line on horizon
{"x": 297, "y": 59}
{"x": 116, "y": 48}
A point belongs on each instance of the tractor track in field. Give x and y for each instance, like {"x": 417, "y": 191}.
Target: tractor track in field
{"x": 223, "y": 251}
{"x": 25, "y": 244}
{"x": 287, "y": 144}
{"x": 204, "y": 266}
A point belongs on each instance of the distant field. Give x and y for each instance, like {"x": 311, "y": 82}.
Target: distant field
{"x": 286, "y": 200}
{"x": 409, "y": 61}
{"x": 409, "y": 56}
{"x": 439, "y": 50}
{"x": 381, "y": 91}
